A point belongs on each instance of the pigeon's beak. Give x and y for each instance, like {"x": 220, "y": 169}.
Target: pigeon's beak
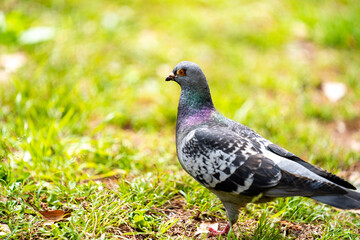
{"x": 170, "y": 77}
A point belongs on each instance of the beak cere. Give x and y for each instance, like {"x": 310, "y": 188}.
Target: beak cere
{"x": 170, "y": 77}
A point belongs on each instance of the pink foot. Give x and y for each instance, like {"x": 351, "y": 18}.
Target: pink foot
{"x": 214, "y": 232}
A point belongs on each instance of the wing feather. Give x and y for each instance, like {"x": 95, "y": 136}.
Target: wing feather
{"x": 317, "y": 170}
{"x": 224, "y": 161}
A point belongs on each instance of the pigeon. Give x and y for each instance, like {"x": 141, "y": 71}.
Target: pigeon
{"x": 237, "y": 164}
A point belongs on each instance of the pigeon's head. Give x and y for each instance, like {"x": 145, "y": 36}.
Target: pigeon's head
{"x": 188, "y": 74}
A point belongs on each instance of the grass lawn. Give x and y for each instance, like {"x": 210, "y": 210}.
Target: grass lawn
{"x": 87, "y": 121}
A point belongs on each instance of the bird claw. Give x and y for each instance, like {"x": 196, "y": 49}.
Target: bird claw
{"x": 214, "y": 232}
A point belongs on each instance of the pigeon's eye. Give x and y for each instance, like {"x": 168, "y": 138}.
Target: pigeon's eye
{"x": 181, "y": 72}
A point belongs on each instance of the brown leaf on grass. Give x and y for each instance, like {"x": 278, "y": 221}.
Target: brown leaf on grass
{"x": 51, "y": 216}
{"x": 55, "y": 215}
{"x": 80, "y": 199}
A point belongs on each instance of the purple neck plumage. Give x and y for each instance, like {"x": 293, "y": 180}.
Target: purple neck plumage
{"x": 195, "y": 107}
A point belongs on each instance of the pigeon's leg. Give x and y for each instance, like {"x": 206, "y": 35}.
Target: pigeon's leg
{"x": 232, "y": 210}
{"x": 214, "y": 232}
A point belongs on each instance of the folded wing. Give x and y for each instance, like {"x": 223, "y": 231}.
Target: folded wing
{"x": 225, "y": 161}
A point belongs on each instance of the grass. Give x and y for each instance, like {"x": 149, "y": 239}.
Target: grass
{"x": 87, "y": 121}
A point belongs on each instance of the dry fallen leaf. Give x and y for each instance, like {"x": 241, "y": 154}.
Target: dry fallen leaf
{"x": 80, "y": 199}
{"x": 55, "y": 215}
{"x": 4, "y": 229}
{"x": 204, "y": 227}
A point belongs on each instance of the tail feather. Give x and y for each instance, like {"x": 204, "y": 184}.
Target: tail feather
{"x": 296, "y": 185}
{"x": 350, "y": 200}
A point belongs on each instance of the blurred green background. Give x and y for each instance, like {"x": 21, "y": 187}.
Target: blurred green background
{"x": 83, "y": 94}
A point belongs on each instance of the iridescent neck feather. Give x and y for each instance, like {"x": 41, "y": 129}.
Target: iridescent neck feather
{"x": 195, "y": 107}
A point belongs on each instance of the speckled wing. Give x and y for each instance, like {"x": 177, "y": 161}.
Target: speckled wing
{"x": 224, "y": 161}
